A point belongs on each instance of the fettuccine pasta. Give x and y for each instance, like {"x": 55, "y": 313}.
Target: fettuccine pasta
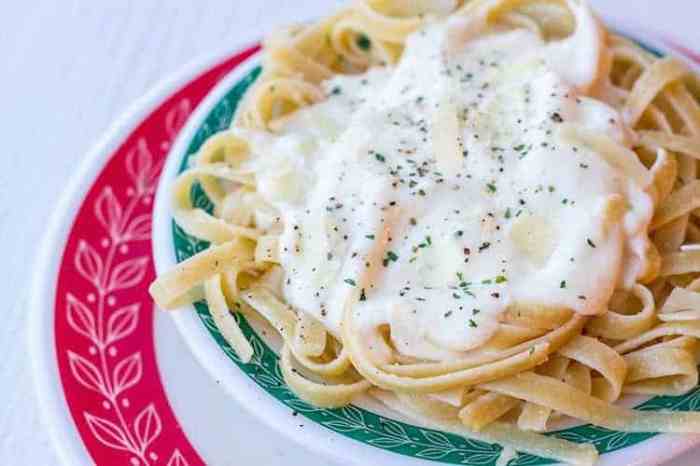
{"x": 485, "y": 214}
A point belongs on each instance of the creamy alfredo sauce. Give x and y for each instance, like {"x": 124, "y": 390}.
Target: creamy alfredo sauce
{"x": 442, "y": 191}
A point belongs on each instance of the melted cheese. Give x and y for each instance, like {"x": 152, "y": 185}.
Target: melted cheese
{"x": 446, "y": 190}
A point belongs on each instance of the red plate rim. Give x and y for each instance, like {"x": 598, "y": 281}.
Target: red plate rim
{"x": 112, "y": 407}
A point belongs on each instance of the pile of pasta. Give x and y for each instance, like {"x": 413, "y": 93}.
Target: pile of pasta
{"x": 543, "y": 363}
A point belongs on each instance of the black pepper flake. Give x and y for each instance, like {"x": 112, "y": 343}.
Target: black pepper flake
{"x": 556, "y": 117}
{"x": 590, "y": 243}
{"x": 562, "y": 284}
{"x": 350, "y": 282}
{"x": 363, "y": 296}
{"x": 472, "y": 323}
{"x": 380, "y": 157}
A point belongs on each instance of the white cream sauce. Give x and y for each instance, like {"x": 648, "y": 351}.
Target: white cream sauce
{"x": 443, "y": 190}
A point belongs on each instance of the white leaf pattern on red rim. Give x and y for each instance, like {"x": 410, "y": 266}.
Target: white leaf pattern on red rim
{"x": 109, "y": 212}
{"x": 139, "y": 163}
{"x": 107, "y": 432}
{"x": 105, "y": 327}
{"x": 176, "y": 118}
{"x": 107, "y": 276}
{"x": 86, "y": 373}
{"x": 139, "y": 229}
{"x": 80, "y": 318}
{"x": 127, "y": 373}
{"x": 127, "y": 274}
{"x": 176, "y": 459}
{"x": 122, "y": 322}
{"x": 89, "y": 263}
{"x": 147, "y": 426}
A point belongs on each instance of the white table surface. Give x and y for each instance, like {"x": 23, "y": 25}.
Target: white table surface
{"x": 67, "y": 69}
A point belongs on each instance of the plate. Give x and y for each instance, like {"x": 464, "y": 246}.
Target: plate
{"x": 115, "y": 382}
{"x": 92, "y": 331}
{"x": 375, "y": 435}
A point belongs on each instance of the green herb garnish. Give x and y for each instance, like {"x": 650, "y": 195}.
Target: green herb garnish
{"x": 363, "y": 42}
{"x": 390, "y": 257}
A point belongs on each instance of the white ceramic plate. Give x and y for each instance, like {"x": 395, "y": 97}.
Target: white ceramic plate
{"x": 373, "y": 435}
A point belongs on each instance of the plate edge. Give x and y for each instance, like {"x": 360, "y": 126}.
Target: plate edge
{"x": 53, "y": 408}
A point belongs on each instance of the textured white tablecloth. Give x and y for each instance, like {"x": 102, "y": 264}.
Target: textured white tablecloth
{"x": 67, "y": 69}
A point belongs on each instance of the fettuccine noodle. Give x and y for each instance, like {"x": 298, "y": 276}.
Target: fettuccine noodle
{"x": 519, "y": 360}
